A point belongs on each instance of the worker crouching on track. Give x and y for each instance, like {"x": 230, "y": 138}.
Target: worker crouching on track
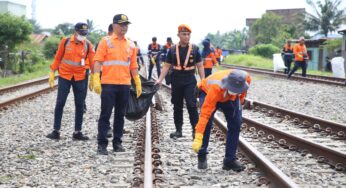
{"x": 184, "y": 58}
{"x": 225, "y": 90}
{"x": 70, "y": 61}
{"x": 117, "y": 56}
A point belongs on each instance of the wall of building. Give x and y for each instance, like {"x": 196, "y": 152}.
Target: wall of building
{"x": 13, "y": 8}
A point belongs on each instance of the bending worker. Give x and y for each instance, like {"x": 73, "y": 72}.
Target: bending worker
{"x": 183, "y": 57}
{"x": 70, "y": 61}
{"x": 225, "y": 90}
{"x": 154, "y": 60}
{"x": 300, "y": 57}
{"x": 118, "y": 58}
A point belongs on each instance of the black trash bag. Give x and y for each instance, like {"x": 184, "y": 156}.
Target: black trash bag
{"x": 138, "y": 107}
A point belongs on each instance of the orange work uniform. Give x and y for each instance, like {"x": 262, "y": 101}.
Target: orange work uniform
{"x": 209, "y": 61}
{"x": 216, "y": 92}
{"x": 299, "y": 51}
{"x": 70, "y": 56}
{"x": 118, "y": 57}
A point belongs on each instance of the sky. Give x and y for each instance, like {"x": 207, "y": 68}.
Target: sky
{"x": 159, "y": 18}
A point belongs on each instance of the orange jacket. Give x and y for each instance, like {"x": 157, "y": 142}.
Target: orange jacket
{"x": 212, "y": 86}
{"x": 68, "y": 58}
{"x": 118, "y": 57}
{"x": 299, "y": 51}
{"x": 209, "y": 61}
{"x": 218, "y": 53}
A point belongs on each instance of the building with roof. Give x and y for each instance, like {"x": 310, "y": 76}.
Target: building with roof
{"x": 12, "y": 7}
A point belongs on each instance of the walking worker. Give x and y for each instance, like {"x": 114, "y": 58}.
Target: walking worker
{"x": 184, "y": 57}
{"x": 140, "y": 59}
{"x": 70, "y": 61}
{"x": 153, "y": 53}
{"x": 117, "y": 56}
{"x": 218, "y": 54}
{"x": 209, "y": 59}
{"x": 300, "y": 57}
{"x": 163, "y": 56}
{"x": 225, "y": 90}
{"x": 287, "y": 52}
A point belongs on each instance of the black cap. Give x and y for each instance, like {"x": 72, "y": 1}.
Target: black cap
{"x": 121, "y": 18}
{"x": 81, "y": 28}
{"x": 169, "y": 39}
{"x": 154, "y": 39}
{"x": 236, "y": 81}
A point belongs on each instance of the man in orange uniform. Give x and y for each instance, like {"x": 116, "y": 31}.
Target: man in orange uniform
{"x": 225, "y": 90}
{"x": 300, "y": 57}
{"x": 70, "y": 62}
{"x": 184, "y": 57}
{"x": 209, "y": 59}
{"x": 118, "y": 59}
{"x": 287, "y": 52}
{"x": 218, "y": 54}
{"x": 154, "y": 60}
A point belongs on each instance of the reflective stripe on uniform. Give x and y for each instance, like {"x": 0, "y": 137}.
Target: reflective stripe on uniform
{"x": 110, "y": 63}
{"x": 217, "y": 82}
{"x": 85, "y": 45}
{"x": 71, "y": 63}
{"x": 208, "y": 59}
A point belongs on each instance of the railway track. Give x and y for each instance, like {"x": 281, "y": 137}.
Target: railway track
{"x": 310, "y": 78}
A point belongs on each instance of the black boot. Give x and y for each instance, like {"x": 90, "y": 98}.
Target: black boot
{"x": 202, "y": 162}
{"x": 176, "y": 134}
{"x": 235, "y": 165}
{"x": 79, "y": 136}
{"x": 117, "y": 147}
{"x": 55, "y": 135}
{"x": 102, "y": 150}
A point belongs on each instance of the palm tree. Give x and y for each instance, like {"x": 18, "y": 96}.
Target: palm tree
{"x": 327, "y": 18}
{"x": 90, "y": 25}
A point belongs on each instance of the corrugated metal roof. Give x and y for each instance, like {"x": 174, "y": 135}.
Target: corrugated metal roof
{"x": 38, "y": 38}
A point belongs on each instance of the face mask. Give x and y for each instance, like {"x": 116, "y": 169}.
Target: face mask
{"x": 80, "y": 37}
{"x": 231, "y": 93}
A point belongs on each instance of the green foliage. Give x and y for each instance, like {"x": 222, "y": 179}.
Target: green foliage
{"x": 328, "y": 17}
{"x": 32, "y": 55}
{"x": 36, "y": 27}
{"x": 333, "y": 45}
{"x": 95, "y": 36}
{"x": 231, "y": 40}
{"x": 64, "y": 29}
{"x": 50, "y": 46}
{"x": 91, "y": 25}
{"x": 264, "y": 50}
{"x": 13, "y": 30}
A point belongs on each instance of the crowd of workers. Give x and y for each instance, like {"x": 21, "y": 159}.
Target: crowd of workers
{"x": 115, "y": 61}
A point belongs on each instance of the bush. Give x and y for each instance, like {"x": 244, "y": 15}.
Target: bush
{"x": 51, "y": 46}
{"x": 264, "y": 50}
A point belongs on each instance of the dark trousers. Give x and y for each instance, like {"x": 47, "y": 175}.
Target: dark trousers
{"x": 151, "y": 66}
{"x": 207, "y": 72}
{"x": 233, "y": 114}
{"x": 219, "y": 60}
{"x": 112, "y": 96}
{"x": 86, "y": 85}
{"x": 79, "y": 94}
{"x": 298, "y": 64}
{"x": 288, "y": 62}
{"x": 183, "y": 87}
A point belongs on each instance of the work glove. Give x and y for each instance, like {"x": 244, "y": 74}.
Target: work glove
{"x": 197, "y": 142}
{"x": 138, "y": 85}
{"x": 97, "y": 83}
{"x": 51, "y": 79}
{"x": 153, "y": 61}
{"x": 91, "y": 82}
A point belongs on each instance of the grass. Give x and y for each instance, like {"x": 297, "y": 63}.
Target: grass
{"x": 41, "y": 69}
{"x": 260, "y": 62}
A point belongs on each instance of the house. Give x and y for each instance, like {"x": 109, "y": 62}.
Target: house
{"x": 38, "y": 38}
{"x": 13, "y": 8}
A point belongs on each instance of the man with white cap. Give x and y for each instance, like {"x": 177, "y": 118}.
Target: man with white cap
{"x": 225, "y": 90}
{"x": 300, "y": 57}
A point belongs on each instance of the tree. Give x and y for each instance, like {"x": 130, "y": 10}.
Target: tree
{"x": 90, "y": 24}
{"x": 267, "y": 27}
{"x": 95, "y": 36}
{"x": 36, "y": 26}
{"x": 230, "y": 40}
{"x": 64, "y": 29}
{"x": 13, "y": 30}
{"x": 327, "y": 18}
